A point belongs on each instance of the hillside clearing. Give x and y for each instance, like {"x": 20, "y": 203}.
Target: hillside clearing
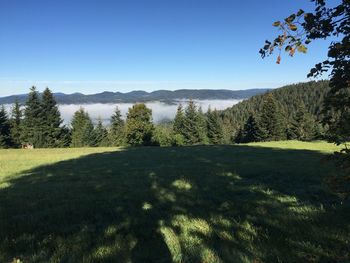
{"x": 263, "y": 202}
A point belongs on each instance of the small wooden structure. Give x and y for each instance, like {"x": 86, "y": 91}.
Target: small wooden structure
{"x": 28, "y": 146}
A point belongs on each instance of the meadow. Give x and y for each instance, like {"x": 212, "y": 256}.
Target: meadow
{"x": 260, "y": 202}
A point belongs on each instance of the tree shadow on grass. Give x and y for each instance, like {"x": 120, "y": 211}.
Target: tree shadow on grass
{"x": 188, "y": 204}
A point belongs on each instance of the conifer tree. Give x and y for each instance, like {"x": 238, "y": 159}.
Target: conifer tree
{"x": 82, "y": 130}
{"x": 33, "y": 131}
{"x": 101, "y": 134}
{"x": 51, "y": 120}
{"x": 66, "y": 137}
{"x": 271, "y": 122}
{"x": 303, "y": 125}
{"x": 5, "y": 133}
{"x": 202, "y": 126}
{"x": 117, "y": 133}
{"x": 178, "y": 126}
{"x": 191, "y": 129}
{"x": 16, "y": 124}
{"x": 251, "y": 131}
{"x": 239, "y": 137}
{"x": 214, "y": 127}
{"x": 139, "y": 126}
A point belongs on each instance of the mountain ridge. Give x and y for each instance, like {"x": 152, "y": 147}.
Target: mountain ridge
{"x": 166, "y": 96}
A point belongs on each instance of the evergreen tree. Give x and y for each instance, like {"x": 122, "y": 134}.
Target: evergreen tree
{"x": 239, "y": 137}
{"x": 191, "y": 129}
{"x": 101, "y": 134}
{"x": 202, "y": 126}
{"x": 65, "y": 137}
{"x": 52, "y": 121}
{"x": 82, "y": 130}
{"x": 117, "y": 134}
{"x": 251, "y": 131}
{"x": 33, "y": 131}
{"x": 271, "y": 122}
{"x": 214, "y": 127}
{"x": 139, "y": 126}
{"x": 16, "y": 124}
{"x": 303, "y": 125}
{"x": 5, "y": 132}
{"x": 178, "y": 125}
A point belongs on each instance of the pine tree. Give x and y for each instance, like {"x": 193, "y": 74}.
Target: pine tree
{"x": 51, "y": 120}
{"x": 101, "y": 134}
{"x": 82, "y": 130}
{"x": 178, "y": 126}
{"x": 33, "y": 131}
{"x": 117, "y": 134}
{"x": 191, "y": 129}
{"x": 271, "y": 122}
{"x": 139, "y": 126}
{"x": 5, "y": 132}
{"x": 303, "y": 126}
{"x": 202, "y": 126}
{"x": 16, "y": 124}
{"x": 239, "y": 137}
{"x": 251, "y": 131}
{"x": 214, "y": 127}
{"x": 65, "y": 137}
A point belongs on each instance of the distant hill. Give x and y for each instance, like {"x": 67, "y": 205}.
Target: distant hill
{"x": 311, "y": 94}
{"x": 143, "y": 96}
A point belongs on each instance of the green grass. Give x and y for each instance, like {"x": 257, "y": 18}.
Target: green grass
{"x": 263, "y": 202}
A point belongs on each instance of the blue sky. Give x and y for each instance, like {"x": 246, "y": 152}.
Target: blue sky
{"x": 91, "y": 46}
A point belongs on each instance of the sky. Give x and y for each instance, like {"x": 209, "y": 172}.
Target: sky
{"x": 91, "y": 46}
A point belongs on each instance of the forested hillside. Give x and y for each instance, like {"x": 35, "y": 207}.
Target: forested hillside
{"x": 288, "y": 98}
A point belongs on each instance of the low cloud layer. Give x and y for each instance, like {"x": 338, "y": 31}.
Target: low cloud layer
{"x": 160, "y": 111}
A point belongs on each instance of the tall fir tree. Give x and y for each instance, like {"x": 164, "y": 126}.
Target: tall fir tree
{"x": 303, "y": 125}
{"x": 117, "y": 130}
{"x": 191, "y": 129}
{"x": 101, "y": 134}
{"x": 214, "y": 127}
{"x": 202, "y": 126}
{"x": 51, "y": 120}
{"x": 16, "y": 124}
{"x": 178, "y": 125}
{"x": 5, "y": 129}
{"x": 251, "y": 131}
{"x": 83, "y": 134}
{"x": 33, "y": 130}
{"x": 271, "y": 121}
{"x": 139, "y": 126}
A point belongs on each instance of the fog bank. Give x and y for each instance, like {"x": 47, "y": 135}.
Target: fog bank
{"x": 160, "y": 111}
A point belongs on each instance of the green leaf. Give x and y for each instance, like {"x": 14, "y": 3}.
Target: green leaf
{"x": 288, "y": 48}
{"x": 300, "y": 12}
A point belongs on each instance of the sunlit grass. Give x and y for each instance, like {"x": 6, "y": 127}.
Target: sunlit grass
{"x": 320, "y": 146}
{"x": 14, "y": 161}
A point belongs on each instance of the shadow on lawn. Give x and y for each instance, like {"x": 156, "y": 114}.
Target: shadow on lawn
{"x": 189, "y": 204}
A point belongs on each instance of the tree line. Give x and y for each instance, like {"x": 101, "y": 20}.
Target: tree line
{"x": 291, "y": 112}
{"x": 40, "y": 124}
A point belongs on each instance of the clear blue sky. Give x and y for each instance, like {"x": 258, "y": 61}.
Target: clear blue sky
{"x": 91, "y": 46}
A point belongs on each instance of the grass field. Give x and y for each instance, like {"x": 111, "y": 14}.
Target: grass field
{"x": 263, "y": 202}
